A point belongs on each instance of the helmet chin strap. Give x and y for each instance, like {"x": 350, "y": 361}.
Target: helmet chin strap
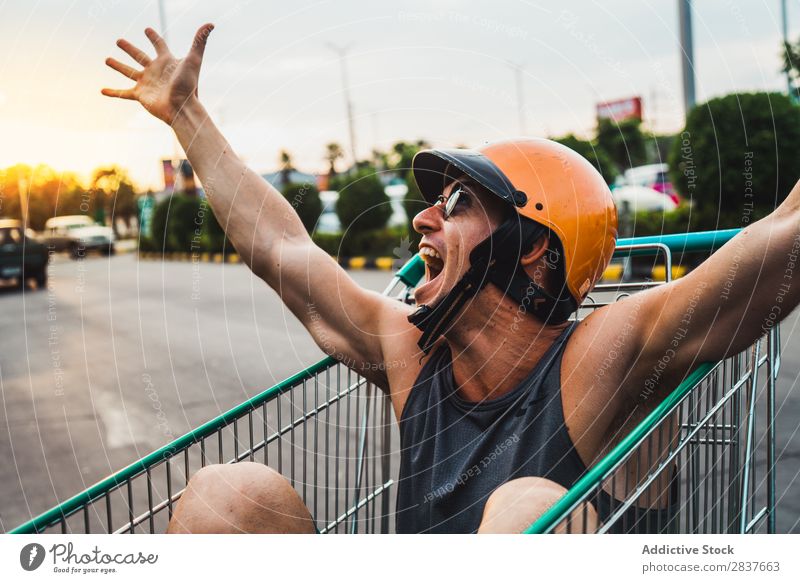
{"x": 491, "y": 262}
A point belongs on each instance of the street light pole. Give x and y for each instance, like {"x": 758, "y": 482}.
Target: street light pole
{"x": 520, "y": 96}
{"x": 342, "y": 52}
{"x": 162, "y": 17}
{"x": 176, "y": 147}
{"x": 687, "y": 53}
{"x": 789, "y": 89}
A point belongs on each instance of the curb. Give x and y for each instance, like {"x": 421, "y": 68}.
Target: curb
{"x": 613, "y": 273}
{"x": 380, "y": 263}
{"x": 191, "y": 257}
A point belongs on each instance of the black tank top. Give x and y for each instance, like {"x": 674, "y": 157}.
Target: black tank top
{"x": 454, "y": 453}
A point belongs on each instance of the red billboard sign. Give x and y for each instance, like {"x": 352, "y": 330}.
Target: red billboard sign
{"x": 169, "y": 174}
{"x": 620, "y": 109}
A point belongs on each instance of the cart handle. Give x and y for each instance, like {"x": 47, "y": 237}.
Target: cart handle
{"x": 414, "y": 269}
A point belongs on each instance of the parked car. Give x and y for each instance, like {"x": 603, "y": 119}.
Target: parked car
{"x": 78, "y": 234}
{"x": 653, "y": 176}
{"x": 634, "y": 199}
{"x": 21, "y": 256}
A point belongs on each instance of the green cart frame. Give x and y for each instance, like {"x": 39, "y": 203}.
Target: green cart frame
{"x": 334, "y": 436}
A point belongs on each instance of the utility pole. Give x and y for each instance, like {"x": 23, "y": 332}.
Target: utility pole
{"x": 687, "y": 53}
{"x": 789, "y": 89}
{"x": 176, "y": 147}
{"x": 520, "y": 96}
{"x": 342, "y": 52}
{"x": 23, "y": 189}
{"x": 162, "y": 18}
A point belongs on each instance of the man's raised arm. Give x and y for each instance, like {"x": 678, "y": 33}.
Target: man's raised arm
{"x": 343, "y": 318}
{"x": 723, "y": 306}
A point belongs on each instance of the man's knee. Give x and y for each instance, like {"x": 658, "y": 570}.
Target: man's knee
{"x": 518, "y": 503}
{"x": 242, "y": 497}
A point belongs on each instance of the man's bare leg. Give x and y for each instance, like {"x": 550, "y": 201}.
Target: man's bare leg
{"x": 245, "y": 497}
{"x": 515, "y": 505}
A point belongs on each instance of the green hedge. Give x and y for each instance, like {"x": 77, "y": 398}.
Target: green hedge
{"x": 389, "y": 242}
{"x": 185, "y": 224}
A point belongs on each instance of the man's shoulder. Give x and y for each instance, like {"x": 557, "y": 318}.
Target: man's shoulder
{"x": 603, "y": 341}
{"x": 594, "y": 372}
{"x": 402, "y": 357}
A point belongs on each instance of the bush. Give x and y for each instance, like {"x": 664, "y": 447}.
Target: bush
{"x": 593, "y": 153}
{"x": 738, "y": 157}
{"x": 680, "y": 220}
{"x": 148, "y": 244}
{"x": 186, "y": 224}
{"x": 331, "y": 243}
{"x": 175, "y": 223}
{"x": 362, "y": 204}
{"x": 159, "y": 231}
{"x": 375, "y": 243}
{"x": 623, "y": 142}
{"x": 215, "y": 240}
{"x": 305, "y": 200}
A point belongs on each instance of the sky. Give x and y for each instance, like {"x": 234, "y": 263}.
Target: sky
{"x": 431, "y": 69}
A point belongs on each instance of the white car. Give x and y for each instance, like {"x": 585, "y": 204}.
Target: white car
{"x": 634, "y": 199}
{"x": 653, "y": 176}
{"x": 78, "y": 234}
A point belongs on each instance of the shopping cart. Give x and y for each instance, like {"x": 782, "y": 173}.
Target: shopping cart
{"x": 334, "y": 436}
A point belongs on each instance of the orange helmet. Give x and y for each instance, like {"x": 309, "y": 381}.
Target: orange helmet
{"x": 546, "y": 182}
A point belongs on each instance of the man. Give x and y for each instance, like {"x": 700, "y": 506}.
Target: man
{"x": 494, "y": 377}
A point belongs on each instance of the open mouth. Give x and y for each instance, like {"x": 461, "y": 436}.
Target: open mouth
{"x": 433, "y": 262}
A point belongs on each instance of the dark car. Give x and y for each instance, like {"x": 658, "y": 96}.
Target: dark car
{"x": 21, "y": 256}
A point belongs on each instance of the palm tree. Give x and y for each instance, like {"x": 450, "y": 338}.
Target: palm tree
{"x": 333, "y": 152}
{"x": 286, "y": 167}
{"x": 380, "y": 159}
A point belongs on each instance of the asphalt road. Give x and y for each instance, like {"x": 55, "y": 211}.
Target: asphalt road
{"x": 116, "y": 357}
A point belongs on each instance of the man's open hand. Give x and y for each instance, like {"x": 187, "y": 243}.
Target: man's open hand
{"x": 166, "y": 85}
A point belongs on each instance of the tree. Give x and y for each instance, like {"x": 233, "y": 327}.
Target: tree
{"x": 738, "y": 157}
{"x": 623, "y": 141}
{"x": 413, "y": 204}
{"x": 305, "y": 200}
{"x": 791, "y": 65}
{"x": 333, "y": 152}
{"x": 362, "y": 203}
{"x": 286, "y": 168}
{"x": 403, "y": 154}
{"x": 380, "y": 159}
{"x": 49, "y": 194}
{"x": 659, "y": 147}
{"x": 114, "y": 195}
{"x": 593, "y": 153}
